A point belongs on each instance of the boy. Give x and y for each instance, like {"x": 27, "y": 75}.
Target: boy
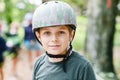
{"x": 14, "y": 38}
{"x": 3, "y": 48}
{"x": 30, "y": 42}
{"x": 54, "y": 25}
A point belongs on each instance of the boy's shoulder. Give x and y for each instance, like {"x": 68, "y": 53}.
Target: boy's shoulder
{"x": 78, "y": 58}
{"x": 40, "y": 59}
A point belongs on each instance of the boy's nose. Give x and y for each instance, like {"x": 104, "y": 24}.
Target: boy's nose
{"x": 54, "y": 38}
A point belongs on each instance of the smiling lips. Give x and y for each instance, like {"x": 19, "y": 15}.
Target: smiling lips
{"x": 54, "y": 46}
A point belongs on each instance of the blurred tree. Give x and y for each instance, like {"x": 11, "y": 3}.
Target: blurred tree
{"x": 8, "y": 11}
{"x": 79, "y": 5}
{"x": 15, "y": 10}
{"x": 45, "y": 1}
{"x": 100, "y": 34}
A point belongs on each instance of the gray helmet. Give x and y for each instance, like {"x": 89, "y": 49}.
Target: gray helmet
{"x": 53, "y": 13}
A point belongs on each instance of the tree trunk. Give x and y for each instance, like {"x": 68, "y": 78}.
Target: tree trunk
{"x": 100, "y": 33}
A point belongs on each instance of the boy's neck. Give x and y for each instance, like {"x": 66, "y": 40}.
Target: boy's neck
{"x": 55, "y": 59}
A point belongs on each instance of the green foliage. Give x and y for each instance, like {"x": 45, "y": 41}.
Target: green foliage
{"x": 82, "y": 4}
{"x": 13, "y": 12}
{"x": 8, "y": 10}
{"x": 107, "y": 76}
{"x": 117, "y": 35}
{"x": 79, "y": 40}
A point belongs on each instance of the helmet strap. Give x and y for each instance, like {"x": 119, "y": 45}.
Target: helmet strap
{"x": 55, "y": 56}
{"x": 37, "y": 38}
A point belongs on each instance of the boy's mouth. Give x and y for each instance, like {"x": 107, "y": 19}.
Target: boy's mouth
{"x": 54, "y": 46}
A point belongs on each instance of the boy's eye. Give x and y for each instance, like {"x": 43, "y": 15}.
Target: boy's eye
{"x": 61, "y": 32}
{"x": 46, "y": 33}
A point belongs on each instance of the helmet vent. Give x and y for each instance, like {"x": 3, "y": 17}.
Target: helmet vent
{"x": 45, "y": 3}
{"x": 56, "y": 1}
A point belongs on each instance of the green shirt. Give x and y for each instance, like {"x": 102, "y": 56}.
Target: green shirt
{"x": 77, "y": 68}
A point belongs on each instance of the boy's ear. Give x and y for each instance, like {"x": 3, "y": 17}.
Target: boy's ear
{"x": 72, "y": 35}
{"x": 37, "y": 35}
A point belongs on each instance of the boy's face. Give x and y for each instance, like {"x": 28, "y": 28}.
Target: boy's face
{"x": 55, "y": 40}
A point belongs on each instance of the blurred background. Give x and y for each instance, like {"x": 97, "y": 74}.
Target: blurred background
{"x": 97, "y": 37}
